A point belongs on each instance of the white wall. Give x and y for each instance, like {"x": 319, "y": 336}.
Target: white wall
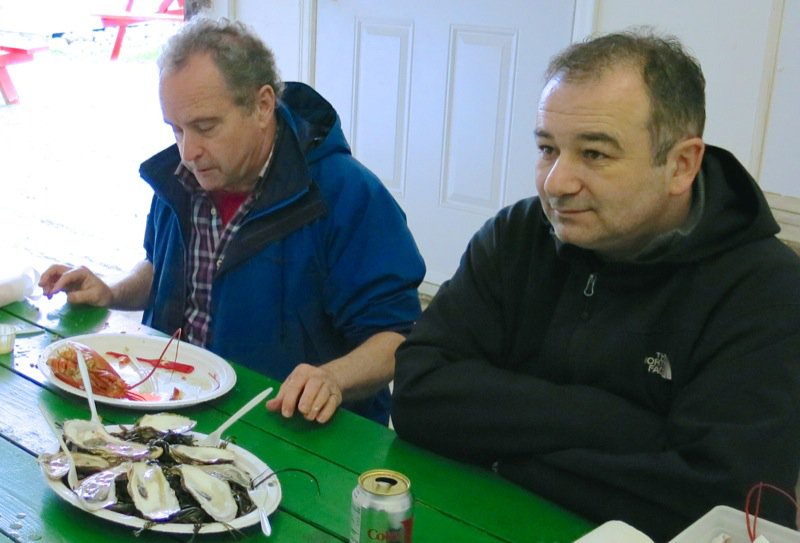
{"x": 749, "y": 53}
{"x": 780, "y": 170}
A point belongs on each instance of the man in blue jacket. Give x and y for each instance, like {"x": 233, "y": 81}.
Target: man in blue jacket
{"x": 266, "y": 242}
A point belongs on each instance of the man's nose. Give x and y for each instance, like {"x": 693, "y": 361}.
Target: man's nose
{"x": 189, "y": 147}
{"x": 562, "y": 178}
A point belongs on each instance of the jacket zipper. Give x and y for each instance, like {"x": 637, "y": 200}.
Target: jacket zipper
{"x": 588, "y": 293}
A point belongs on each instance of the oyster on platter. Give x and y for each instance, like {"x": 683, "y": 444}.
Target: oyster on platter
{"x": 214, "y": 495}
{"x": 151, "y": 493}
{"x": 99, "y": 490}
{"x": 92, "y": 438}
{"x": 162, "y": 424}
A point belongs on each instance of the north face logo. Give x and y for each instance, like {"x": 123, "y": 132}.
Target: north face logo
{"x": 659, "y": 364}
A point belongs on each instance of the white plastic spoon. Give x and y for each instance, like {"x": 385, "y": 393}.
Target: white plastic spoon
{"x": 213, "y": 439}
{"x": 259, "y": 492}
{"x": 260, "y": 495}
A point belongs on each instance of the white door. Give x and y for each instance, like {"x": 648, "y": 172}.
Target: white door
{"x": 439, "y": 99}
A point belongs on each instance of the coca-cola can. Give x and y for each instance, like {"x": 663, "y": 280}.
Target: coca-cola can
{"x": 382, "y": 508}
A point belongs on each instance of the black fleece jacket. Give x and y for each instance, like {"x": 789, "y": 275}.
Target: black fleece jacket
{"x": 647, "y": 391}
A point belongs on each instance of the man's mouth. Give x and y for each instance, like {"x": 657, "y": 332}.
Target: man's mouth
{"x": 567, "y": 210}
{"x": 564, "y": 211}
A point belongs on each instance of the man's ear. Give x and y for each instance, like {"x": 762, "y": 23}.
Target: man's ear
{"x": 265, "y": 103}
{"x": 683, "y": 163}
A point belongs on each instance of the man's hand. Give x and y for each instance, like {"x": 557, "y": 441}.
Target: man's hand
{"x": 81, "y": 285}
{"x": 130, "y": 293}
{"x": 316, "y": 392}
{"x": 312, "y": 391}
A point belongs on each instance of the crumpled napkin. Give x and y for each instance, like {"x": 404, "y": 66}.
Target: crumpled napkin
{"x": 16, "y": 285}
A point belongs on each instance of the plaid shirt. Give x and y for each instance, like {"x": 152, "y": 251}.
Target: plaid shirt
{"x": 207, "y": 242}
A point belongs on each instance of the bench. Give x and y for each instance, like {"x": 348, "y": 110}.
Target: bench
{"x": 14, "y": 54}
{"x": 122, "y": 19}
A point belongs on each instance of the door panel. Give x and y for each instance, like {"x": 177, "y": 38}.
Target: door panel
{"x": 439, "y": 99}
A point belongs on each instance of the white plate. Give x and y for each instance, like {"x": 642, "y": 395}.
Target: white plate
{"x": 726, "y": 520}
{"x": 211, "y": 378}
{"x": 615, "y": 531}
{"x": 249, "y": 462}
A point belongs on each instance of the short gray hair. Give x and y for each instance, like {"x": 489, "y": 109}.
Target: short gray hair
{"x": 673, "y": 79}
{"x": 244, "y": 60}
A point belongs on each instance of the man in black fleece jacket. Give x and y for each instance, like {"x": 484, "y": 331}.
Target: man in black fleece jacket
{"x": 626, "y": 344}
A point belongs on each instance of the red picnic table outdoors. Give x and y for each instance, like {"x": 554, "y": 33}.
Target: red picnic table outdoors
{"x": 14, "y": 54}
{"x": 127, "y": 17}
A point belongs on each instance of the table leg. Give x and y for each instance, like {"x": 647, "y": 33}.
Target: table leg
{"x": 118, "y": 42}
{"x": 7, "y": 88}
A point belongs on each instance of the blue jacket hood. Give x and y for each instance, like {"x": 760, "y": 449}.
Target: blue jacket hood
{"x": 313, "y": 120}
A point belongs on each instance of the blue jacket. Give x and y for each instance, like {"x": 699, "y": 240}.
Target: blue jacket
{"x": 321, "y": 263}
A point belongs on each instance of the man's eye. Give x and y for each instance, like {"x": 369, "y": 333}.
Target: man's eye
{"x": 205, "y": 127}
{"x": 546, "y": 150}
{"x": 591, "y": 154}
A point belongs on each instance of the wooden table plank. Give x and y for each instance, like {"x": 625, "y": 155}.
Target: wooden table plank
{"x": 65, "y": 319}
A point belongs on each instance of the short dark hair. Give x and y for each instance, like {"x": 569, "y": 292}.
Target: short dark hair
{"x": 246, "y": 63}
{"x": 673, "y": 79}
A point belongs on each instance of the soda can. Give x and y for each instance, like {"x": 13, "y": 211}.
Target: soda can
{"x": 382, "y": 508}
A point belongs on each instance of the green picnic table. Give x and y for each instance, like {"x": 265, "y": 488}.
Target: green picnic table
{"x": 452, "y": 501}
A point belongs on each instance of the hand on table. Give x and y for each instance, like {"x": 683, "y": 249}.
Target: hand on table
{"x": 310, "y": 390}
{"x": 81, "y": 285}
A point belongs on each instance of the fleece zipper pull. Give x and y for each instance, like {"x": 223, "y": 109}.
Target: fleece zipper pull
{"x": 588, "y": 292}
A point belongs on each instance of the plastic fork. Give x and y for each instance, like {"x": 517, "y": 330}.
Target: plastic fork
{"x": 72, "y": 474}
{"x": 87, "y": 386}
{"x": 213, "y": 439}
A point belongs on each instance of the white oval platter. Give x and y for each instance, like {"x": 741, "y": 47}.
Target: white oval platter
{"x": 248, "y": 461}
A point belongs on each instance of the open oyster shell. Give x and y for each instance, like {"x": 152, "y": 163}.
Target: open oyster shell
{"x": 161, "y": 424}
{"x": 213, "y": 495}
{"x": 56, "y": 465}
{"x": 92, "y": 437}
{"x": 189, "y": 454}
{"x": 228, "y": 472}
{"x": 100, "y": 490}
{"x": 150, "y": 491}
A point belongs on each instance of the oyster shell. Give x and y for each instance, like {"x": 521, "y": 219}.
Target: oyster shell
{"x": 56, "y": 465}
{"x": 150, "y": 491}
{"x": 188, "y": 454}
{"x": 228, "y": 472}
{"x": 161, "y": 424}
{"x": 91, "y": 437}
{"x": 213, "y": 495}
{"x": 100, "y": 490}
